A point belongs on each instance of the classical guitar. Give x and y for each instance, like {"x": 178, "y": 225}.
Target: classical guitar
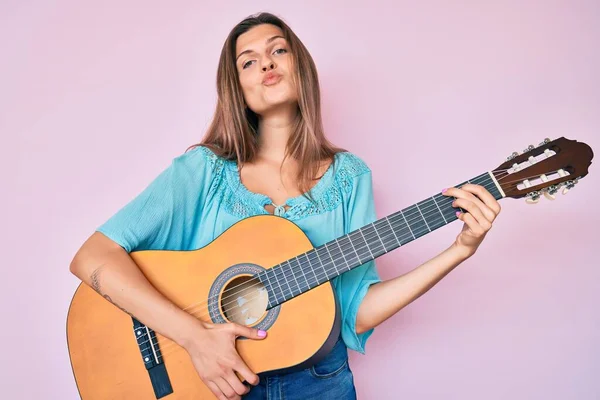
{"x": 250, "y": 276}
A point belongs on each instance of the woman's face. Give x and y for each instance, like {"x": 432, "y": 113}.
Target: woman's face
{"x": 260, "y": 52}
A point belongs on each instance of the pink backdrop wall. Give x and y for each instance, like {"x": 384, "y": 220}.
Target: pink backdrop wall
{"x": 97, "y": 97}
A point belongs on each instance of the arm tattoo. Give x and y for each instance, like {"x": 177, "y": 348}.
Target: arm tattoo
{"x": 95, "y": 277}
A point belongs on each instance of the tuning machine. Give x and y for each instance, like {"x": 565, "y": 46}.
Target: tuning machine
{"x": 546, "y": 141}
{"x": 533, "y": 197}
{"x": 529, "y": 148}
{"x": 513, "y": 155}
{"x": 569, "y": 185}
{"x": 550, "y": 192}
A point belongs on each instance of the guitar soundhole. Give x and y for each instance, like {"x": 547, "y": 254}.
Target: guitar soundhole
{"x": 244, "y": 300}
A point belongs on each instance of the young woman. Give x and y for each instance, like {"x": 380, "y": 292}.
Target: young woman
{"x": 265, "y": 152}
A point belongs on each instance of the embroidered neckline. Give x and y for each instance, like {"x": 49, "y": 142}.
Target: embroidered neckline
{"x": 328, "y": 192}
{"x": 261, "y": 200}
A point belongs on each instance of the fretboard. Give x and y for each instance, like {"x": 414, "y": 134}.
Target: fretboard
{"x": 323, "y": 263}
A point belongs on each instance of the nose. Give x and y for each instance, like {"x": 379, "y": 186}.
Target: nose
{"x": 271, "y": 65}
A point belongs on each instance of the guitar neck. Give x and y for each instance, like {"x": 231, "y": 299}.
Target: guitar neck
{"x": 321, "y": 264}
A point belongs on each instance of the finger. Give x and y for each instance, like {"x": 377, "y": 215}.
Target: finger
{"x": 246, "y": 373}
{"x": 474, "y": 210}
{"x": 236, "y": 384}
{"x": 216, "y": 391}
{"x": 471, "y": 223}
{"x": 485, "y": 196}
{"x": 464, "y": 194}
{"x": 246, "y": 331}
{"x": 226, "y": 388}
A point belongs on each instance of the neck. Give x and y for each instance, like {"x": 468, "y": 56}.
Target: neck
{"x": 321, "y": 264}
{"x": 274, "y": 130}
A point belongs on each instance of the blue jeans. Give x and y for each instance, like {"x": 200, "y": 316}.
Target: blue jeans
{"x": 331, "y": 378}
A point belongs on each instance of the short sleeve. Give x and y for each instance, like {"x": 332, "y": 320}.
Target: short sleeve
{"x": 162, "y": 215}
{"x": 353, "y": 285}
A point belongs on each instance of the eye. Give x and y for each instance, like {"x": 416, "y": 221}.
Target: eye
{"x": 248, "y": 62}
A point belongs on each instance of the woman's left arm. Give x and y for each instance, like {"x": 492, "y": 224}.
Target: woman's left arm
{"x": 386, "y": 298}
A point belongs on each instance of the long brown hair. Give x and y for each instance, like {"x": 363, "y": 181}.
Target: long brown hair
{"x": 233, "y": 131}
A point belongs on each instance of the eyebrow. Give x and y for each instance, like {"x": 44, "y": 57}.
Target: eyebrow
{"x": 269, "y": 40}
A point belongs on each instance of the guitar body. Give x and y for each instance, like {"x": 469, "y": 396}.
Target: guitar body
{"x": 107, "y": 358}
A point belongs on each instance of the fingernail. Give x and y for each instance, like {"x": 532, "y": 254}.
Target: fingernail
{"x": 458, "y": 213}
{"x": 262, "y": 333}
{"x": 444, "y": 191}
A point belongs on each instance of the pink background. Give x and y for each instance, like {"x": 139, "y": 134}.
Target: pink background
{"x": 98, "y": 97}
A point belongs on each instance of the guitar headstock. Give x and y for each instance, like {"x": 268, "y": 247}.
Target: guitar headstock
{"x": 544, "y": 169}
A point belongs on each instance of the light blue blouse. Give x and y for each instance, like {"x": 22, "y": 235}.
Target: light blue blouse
{"x": 200, "y": 195}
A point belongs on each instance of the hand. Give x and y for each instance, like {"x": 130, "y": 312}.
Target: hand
{"x": 213, "y": 353}
{"x": 482, "y": 209}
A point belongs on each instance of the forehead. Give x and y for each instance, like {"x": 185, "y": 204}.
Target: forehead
{"x": 256, "y": 37}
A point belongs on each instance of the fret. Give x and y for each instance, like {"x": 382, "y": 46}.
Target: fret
{"x": 272, "y": 271}
{"x": 393, "y": 231}
{"x": 383, "y": 234}
{"x": 323, "y": 256}
{"x": 374, "y": 247}
{"x": 438, "y": 207}
{"x": 417, "y": 205}
{"x": 343, "y": 255}
{"x": 417, "y": 228}
{"x": 320, "y": 263}
{"x": 400, "y": 230}
{"x": 448, "y": 211}
{"x": 379, "y": 237}
{"x": 431, "y": 215}
{"x": 283, "y": 275}
{"x": 332, "y": 259}
{"x": 294, "y": 275}
{"x": 349, "y": 256}
{"x": 366, "y": 243}
{"x": 302, "y": 271}
{"x": 407, "y": 224}
{"x": 359, "y": 244}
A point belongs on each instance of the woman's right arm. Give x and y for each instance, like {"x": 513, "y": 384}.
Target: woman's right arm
{"x": 106, "y": 267}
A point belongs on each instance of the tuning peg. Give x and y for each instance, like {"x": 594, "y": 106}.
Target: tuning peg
{"x": 568, "y": 186}
{"x": 513, "y": 155}
{"x": 549, "y": 195}
{"x": 533, "y": 197}
{"x": 529, "y": 148}
{"x": 546, "y": 141}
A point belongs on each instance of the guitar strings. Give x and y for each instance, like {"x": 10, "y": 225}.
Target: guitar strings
{"x": 300, "y": 265}
{"x": 389, "y": 234}
{"x": 172, "y": 344}
{"x": 409, "y": 216}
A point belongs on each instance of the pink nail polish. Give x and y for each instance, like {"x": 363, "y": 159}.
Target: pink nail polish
{"x": 458, "y": 213}
{"x": 262, "y": 333}
{"x": 444, "y": 191}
